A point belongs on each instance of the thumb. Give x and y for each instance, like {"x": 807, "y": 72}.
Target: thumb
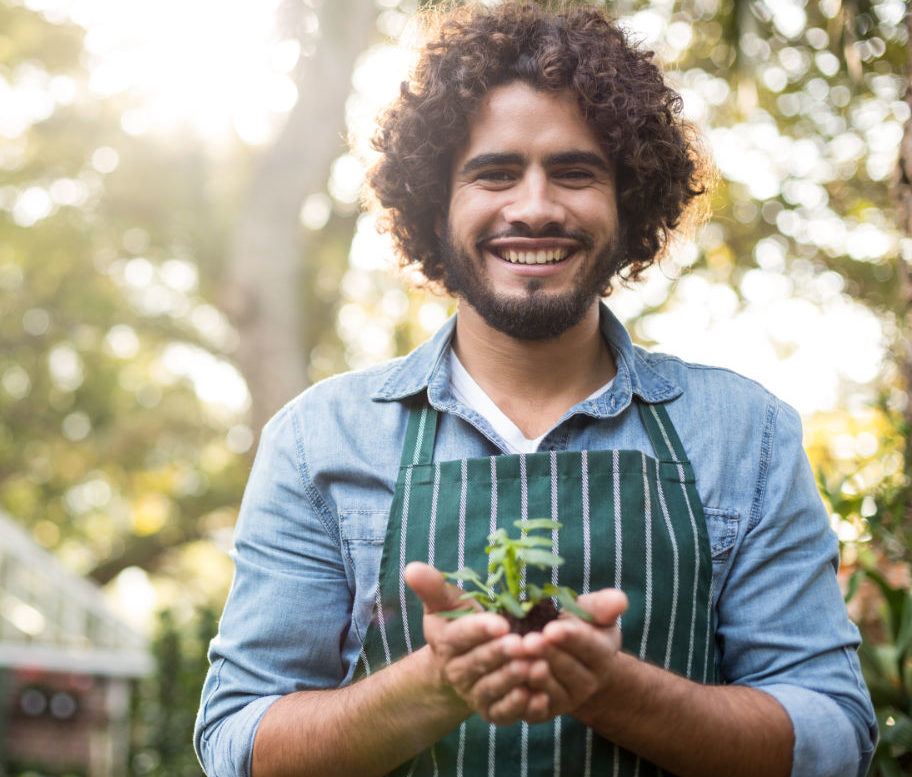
{"x": 434, "y": 591}
{"x": 605, "y": 606}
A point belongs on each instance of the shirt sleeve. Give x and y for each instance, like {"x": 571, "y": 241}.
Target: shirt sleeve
{"x": 782, "y": 624}
{"x": 288, "y": 609}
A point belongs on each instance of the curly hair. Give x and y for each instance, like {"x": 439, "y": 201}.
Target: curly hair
{"x": 620, "y": 91}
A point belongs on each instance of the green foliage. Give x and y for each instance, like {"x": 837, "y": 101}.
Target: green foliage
{"x": 879, "y": 597}
{"x": 111, "y": 460}
{"x": 166, "y": 703}
{"x": 107, "y": 454}
{"x": 503, "y": 591}
{"x": 887, "y": 668}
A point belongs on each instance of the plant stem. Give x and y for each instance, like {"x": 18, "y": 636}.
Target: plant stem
{"x": 511, "y": 569}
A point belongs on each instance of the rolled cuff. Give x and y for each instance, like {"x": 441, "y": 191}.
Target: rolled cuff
{"x": 226, "y": 747}
{"x": 827, "y": 742}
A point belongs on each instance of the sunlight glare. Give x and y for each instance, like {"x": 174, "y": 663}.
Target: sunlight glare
{"x": 808, "y": 354}
{"x": 215, "y": 381}
{"x": 218, "y": 68}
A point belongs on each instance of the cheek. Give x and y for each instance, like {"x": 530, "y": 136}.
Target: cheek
{"x": 597, "y": 215}
{"x": 475, "y": 207}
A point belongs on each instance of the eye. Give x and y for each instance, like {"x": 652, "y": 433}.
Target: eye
{"x": 496, "y": 176}
{"x": 575, "y": 175}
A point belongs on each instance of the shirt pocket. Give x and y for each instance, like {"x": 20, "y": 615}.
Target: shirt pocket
{"x": 363, "y": 533}
{"x": 722, "y": 527}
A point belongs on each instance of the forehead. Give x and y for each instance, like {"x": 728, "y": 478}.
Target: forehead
{"x": 518, "y": 118}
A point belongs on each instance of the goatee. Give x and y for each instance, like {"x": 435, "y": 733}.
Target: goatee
{"x": 537, "y": 315}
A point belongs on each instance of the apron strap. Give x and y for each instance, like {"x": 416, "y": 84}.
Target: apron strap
{"x": 662, "y": 434}
{"x": 419, "y": 436}
{"x": 421, "y": 433}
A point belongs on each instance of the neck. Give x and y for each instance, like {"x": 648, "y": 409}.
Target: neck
{"x": 534, "y": 382}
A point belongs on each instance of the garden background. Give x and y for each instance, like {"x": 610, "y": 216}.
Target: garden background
{"x": 182, "y": 250}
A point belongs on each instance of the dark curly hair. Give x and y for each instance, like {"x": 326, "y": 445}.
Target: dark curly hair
{"x": 621, "y": 93}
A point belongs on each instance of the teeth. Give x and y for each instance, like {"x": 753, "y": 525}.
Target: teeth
{"x": 535, "y": 257}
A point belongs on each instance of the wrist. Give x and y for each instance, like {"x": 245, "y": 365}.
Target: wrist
{"x": 619, "y": 701}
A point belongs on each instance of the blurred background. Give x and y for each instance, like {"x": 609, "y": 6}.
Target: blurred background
{"x": 182, "y": 251}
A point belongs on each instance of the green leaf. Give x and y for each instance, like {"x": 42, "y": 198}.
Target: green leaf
{"x": 496, "y": 556}
{"x": 904, "y": 632}
{"x": 567, "y": 599}
{"x": 511, "y": 605}
{"x": 468, "y": 575}
{"x": 896, "y": 599}
{"x": 537, "y": 523}
{"x": 853, "y": 583}
{"x": 465, "y": 573}
{"x": 885, "y": 763}
{"x": 539, "y": 558}
{"x": 478, "y": 596}
{"x": 532, "y": 540}
{"x": 454, "y": 614}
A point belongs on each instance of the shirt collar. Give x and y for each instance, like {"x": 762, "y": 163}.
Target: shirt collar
{"x": 426, "y": 369}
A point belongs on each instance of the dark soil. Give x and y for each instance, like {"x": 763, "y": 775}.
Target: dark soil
{"x": 535, "y": 620}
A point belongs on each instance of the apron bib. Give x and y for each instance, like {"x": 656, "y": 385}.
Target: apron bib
{"x": 630, "y": 521}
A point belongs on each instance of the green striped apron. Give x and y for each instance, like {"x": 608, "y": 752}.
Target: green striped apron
{"x": 630, "y": 521}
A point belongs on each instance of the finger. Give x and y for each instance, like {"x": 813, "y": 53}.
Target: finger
{"x": 455, "y": 637}
{"x": 589, "y": 645}
{"x": 434, "y": 591}
{"x": 466, "y": 669}
{"x": 508, "y": 709}
{"x": 539, "y": 708}
{"x": 564, "y": 679}
{"x": 495, "y": 685}
{"x": 550, "y": 679}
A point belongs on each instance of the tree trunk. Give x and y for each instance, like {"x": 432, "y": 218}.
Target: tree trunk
{"x": 263, "y": 278}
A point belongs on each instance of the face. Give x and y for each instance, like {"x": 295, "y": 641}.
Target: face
{"x": 531, "y": 235}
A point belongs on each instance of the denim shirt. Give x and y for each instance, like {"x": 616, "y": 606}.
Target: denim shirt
{"x": 310, "y": 535}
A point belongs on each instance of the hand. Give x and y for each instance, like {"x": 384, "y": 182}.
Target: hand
{"x": 571, "y": 659}
{"x": 476, "y": 654}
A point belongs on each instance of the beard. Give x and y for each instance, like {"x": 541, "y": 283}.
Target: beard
{"x": 538, "y": 314}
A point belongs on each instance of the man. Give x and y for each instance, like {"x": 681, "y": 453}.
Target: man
{"x": 533, "y": 158}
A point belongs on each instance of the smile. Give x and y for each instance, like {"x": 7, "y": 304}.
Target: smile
{"x": 549, "y": 256}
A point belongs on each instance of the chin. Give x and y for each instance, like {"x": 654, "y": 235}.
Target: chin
{"x": 532, "y": 318}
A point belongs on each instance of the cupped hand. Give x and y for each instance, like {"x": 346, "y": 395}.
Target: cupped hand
{"x": 476, "y": 654}
{"x": 572, "y": 659}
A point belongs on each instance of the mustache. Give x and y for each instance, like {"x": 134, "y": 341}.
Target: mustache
{"x": 551, "y": 231}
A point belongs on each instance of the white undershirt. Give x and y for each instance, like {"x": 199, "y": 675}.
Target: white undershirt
{"x": 474, "y": 397}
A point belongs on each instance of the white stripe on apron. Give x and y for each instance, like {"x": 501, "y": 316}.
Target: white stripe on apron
{"x": 432, "y": 542}
{"x": 462, "y": 517}
{"x": 402, "y": 601}
{"x": 676, "y": 570}
{"x": 647, "y": 541}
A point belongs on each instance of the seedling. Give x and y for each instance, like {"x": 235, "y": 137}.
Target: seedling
{"x": 504, "y": 592}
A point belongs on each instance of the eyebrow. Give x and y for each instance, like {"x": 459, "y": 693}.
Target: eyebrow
{"x": 560, "y": 158}
{"x": 491, "y": 160}
{"x": 578, "y": 158}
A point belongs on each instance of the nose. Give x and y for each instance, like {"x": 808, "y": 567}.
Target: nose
{"x": 534, "y": 204}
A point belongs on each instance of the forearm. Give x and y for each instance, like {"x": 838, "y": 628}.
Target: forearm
{"x": 363, "y": 729}
{"x": 688, "y": 728}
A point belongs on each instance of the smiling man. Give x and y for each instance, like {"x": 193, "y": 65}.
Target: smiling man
{"x": 531, "y": 237}
{"x": 534, "y": 158}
